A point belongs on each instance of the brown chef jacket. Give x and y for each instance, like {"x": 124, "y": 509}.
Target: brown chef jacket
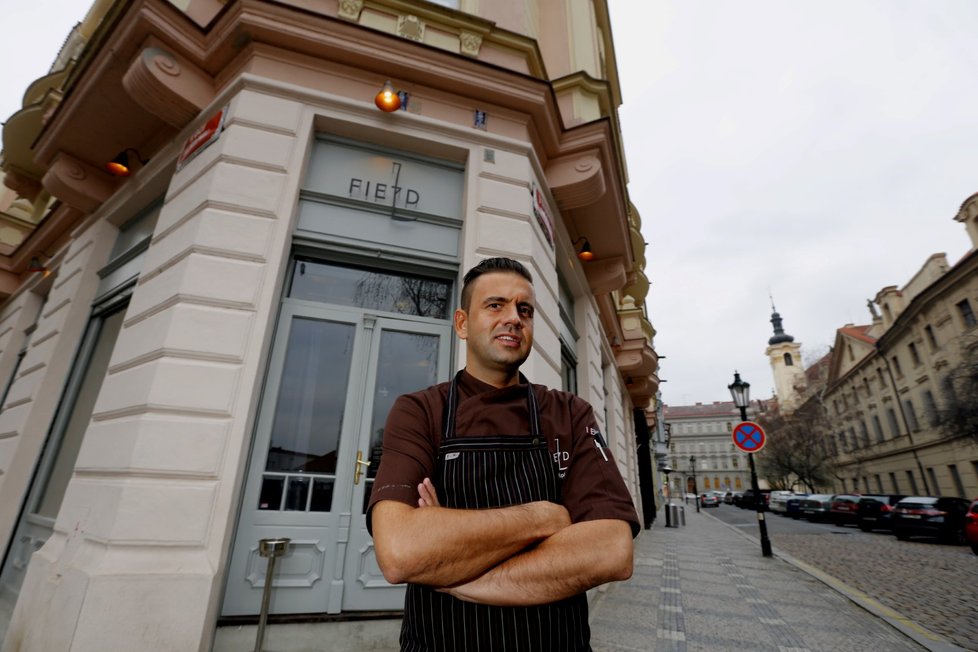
{"x": 592, "y": 487}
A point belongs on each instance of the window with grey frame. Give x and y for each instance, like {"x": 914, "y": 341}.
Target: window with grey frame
{"x": 568, "y": 336}
{"x": 891, "y": 421}
{"x": 967, "y": 314}
{"x": 878, "y": 429}
{"x": 935, "y": 487}
{"x": 930, "y": 408}
{"x": 913, "y": 483}
{"x": 911, "y": 415}
{"x": 956, "y": 479}
{"x": 863, "y": 433}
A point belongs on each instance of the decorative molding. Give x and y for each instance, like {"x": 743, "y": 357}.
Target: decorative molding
{"x": 470, "y": 43}
{"x": 350, "y": 10}
{"x": 410, "y": 27}
{"x": 78, "y": 184}
{"x": 167, "y": 85}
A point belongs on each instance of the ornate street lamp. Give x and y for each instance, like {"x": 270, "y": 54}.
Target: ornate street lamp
{"x": 740, "y": 391}
{"x": 696, "y": 492}
{"x": 667, "y": 470}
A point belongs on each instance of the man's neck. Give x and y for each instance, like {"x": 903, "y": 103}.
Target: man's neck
{"x": 496, "y": 379}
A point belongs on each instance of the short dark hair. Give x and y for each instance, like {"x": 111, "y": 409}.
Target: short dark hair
{"x": 490, "y": 265}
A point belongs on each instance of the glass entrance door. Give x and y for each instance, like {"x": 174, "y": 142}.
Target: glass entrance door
{"x": 335, "y": 370}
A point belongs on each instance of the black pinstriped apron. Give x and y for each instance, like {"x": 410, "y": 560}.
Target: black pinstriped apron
{"x": 480, "y": 473}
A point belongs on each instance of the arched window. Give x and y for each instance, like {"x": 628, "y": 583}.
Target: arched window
{"x": 706, "y": 483}
{"x": 787, "y": 360}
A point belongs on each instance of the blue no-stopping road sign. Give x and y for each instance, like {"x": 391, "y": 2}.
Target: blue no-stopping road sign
{"x": 749, "y": 437}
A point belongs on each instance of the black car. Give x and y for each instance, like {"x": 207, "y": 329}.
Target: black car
{"x": 874, "y": 512}
{"x": 816, "y": 506}
{"x": 747, "y": 500}
{"x": 930, "y": 516}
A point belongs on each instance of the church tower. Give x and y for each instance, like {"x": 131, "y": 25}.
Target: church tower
{"x": 785, "y": 355}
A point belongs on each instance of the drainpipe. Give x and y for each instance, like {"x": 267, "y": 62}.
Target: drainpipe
{"x": 903, "y": 416}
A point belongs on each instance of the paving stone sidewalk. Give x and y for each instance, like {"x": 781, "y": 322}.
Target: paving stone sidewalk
{"x": 703, "y": 587}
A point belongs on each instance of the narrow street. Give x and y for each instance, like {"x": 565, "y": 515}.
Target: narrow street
{"x": 930, "y": 583}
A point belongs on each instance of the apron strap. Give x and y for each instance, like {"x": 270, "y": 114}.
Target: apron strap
{"x": 449, "y": 417}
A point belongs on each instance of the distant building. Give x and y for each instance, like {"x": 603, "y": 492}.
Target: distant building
{"x": 705, "y": 431}
{"x": 880, "y": 397}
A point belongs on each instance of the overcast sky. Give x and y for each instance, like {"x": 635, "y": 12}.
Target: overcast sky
{"x": 814, "y": 150}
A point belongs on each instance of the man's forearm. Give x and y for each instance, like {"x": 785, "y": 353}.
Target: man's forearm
{"x": 441, "y": 547}
{"x": 571, "y": 561}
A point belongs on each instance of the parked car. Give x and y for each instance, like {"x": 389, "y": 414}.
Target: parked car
{"x": 738, "y": 496}
{"x": 930, "y": 516}
{"x": 779, "y": 501}
{"x": 816, "y": 507}
{"x": 874, "y": 512}
{"x": 709, "y": 500}
{"x": 792, "y": 507}
{"x": 971, "y": 527}
{"x": 728, "y": 498}
{"x": 747, "y": 500}
{"x": 842, "y": 509}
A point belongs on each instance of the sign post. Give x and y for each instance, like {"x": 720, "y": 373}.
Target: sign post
{"x": 750, "y": 438}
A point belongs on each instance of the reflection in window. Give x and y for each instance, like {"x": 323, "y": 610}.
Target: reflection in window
{"x": 308, "y": 417}
{"x": 407, "y": 363}
{"x": 371, "y": 289}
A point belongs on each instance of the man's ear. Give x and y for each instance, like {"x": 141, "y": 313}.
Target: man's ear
{"x": 461, "y": 323}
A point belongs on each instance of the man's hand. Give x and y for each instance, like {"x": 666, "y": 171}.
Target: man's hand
{"x": 438, "y": 546}
{"x": 427, "y": 496}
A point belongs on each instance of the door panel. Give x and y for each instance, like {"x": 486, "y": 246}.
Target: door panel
{"x": 402, "y": 361}
{"x": 334, "y": 372}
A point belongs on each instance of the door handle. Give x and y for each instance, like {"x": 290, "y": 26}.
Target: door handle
{"x": 358, "y": 469}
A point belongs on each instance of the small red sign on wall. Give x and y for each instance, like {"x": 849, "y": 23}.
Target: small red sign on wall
{"x": 204, "y": 136}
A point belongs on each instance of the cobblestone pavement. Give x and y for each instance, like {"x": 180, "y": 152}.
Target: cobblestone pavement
{"x": 701, "y": 588}
{"x": 934, "y": 585}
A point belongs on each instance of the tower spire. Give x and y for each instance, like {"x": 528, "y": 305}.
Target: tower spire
{"x": 779, "y": 334}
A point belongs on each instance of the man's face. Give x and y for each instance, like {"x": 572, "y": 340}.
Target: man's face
{"x": 497, "y": 327}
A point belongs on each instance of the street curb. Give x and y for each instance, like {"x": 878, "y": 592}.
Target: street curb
{"x": 919, "y": 633}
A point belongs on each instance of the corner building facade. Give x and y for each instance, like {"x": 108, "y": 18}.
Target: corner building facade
{"x": 208, "y": 352}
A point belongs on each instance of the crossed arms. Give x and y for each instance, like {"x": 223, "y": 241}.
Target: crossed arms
{"x": 522, "y": 555}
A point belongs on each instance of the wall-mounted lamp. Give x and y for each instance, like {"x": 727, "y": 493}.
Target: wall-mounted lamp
{"x": 37, "y": 267}
{"x": 584, "y": 253}
{"x": 122, "y": 164}
{"x": 388, "y": 100}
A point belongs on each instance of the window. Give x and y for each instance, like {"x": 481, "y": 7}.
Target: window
{"x": 735, "y": 462}
{"x": 956, "y": 478}
{"x": 879, "y": 483}
{"x": 896, "y": 366}
{"x": 842, "y": 441}
{"x": 864, "y": 432}
{"x": 931, "y": 340}
{"x": 866, "y": 386}
{"x": 930, "y": 408}
{"x": 967, "y": 315}
{"x": 788, "y": 361}
{"x": 892, "y": 422}
{"x": 866, "y": 484}
{"x": 913, "y": 483}
{"x": 568, "y": 369}
{"x": 737, "y": 483}
{"x": 934, "y": 486}
{"x": 911, "y": 415}
{"x": 894, "y": 484}
{"x": 878, "y": 428}
{"x": 914, "y": 356}
{"x": 879, "y": 377}
{"x": 852, "y": 438}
